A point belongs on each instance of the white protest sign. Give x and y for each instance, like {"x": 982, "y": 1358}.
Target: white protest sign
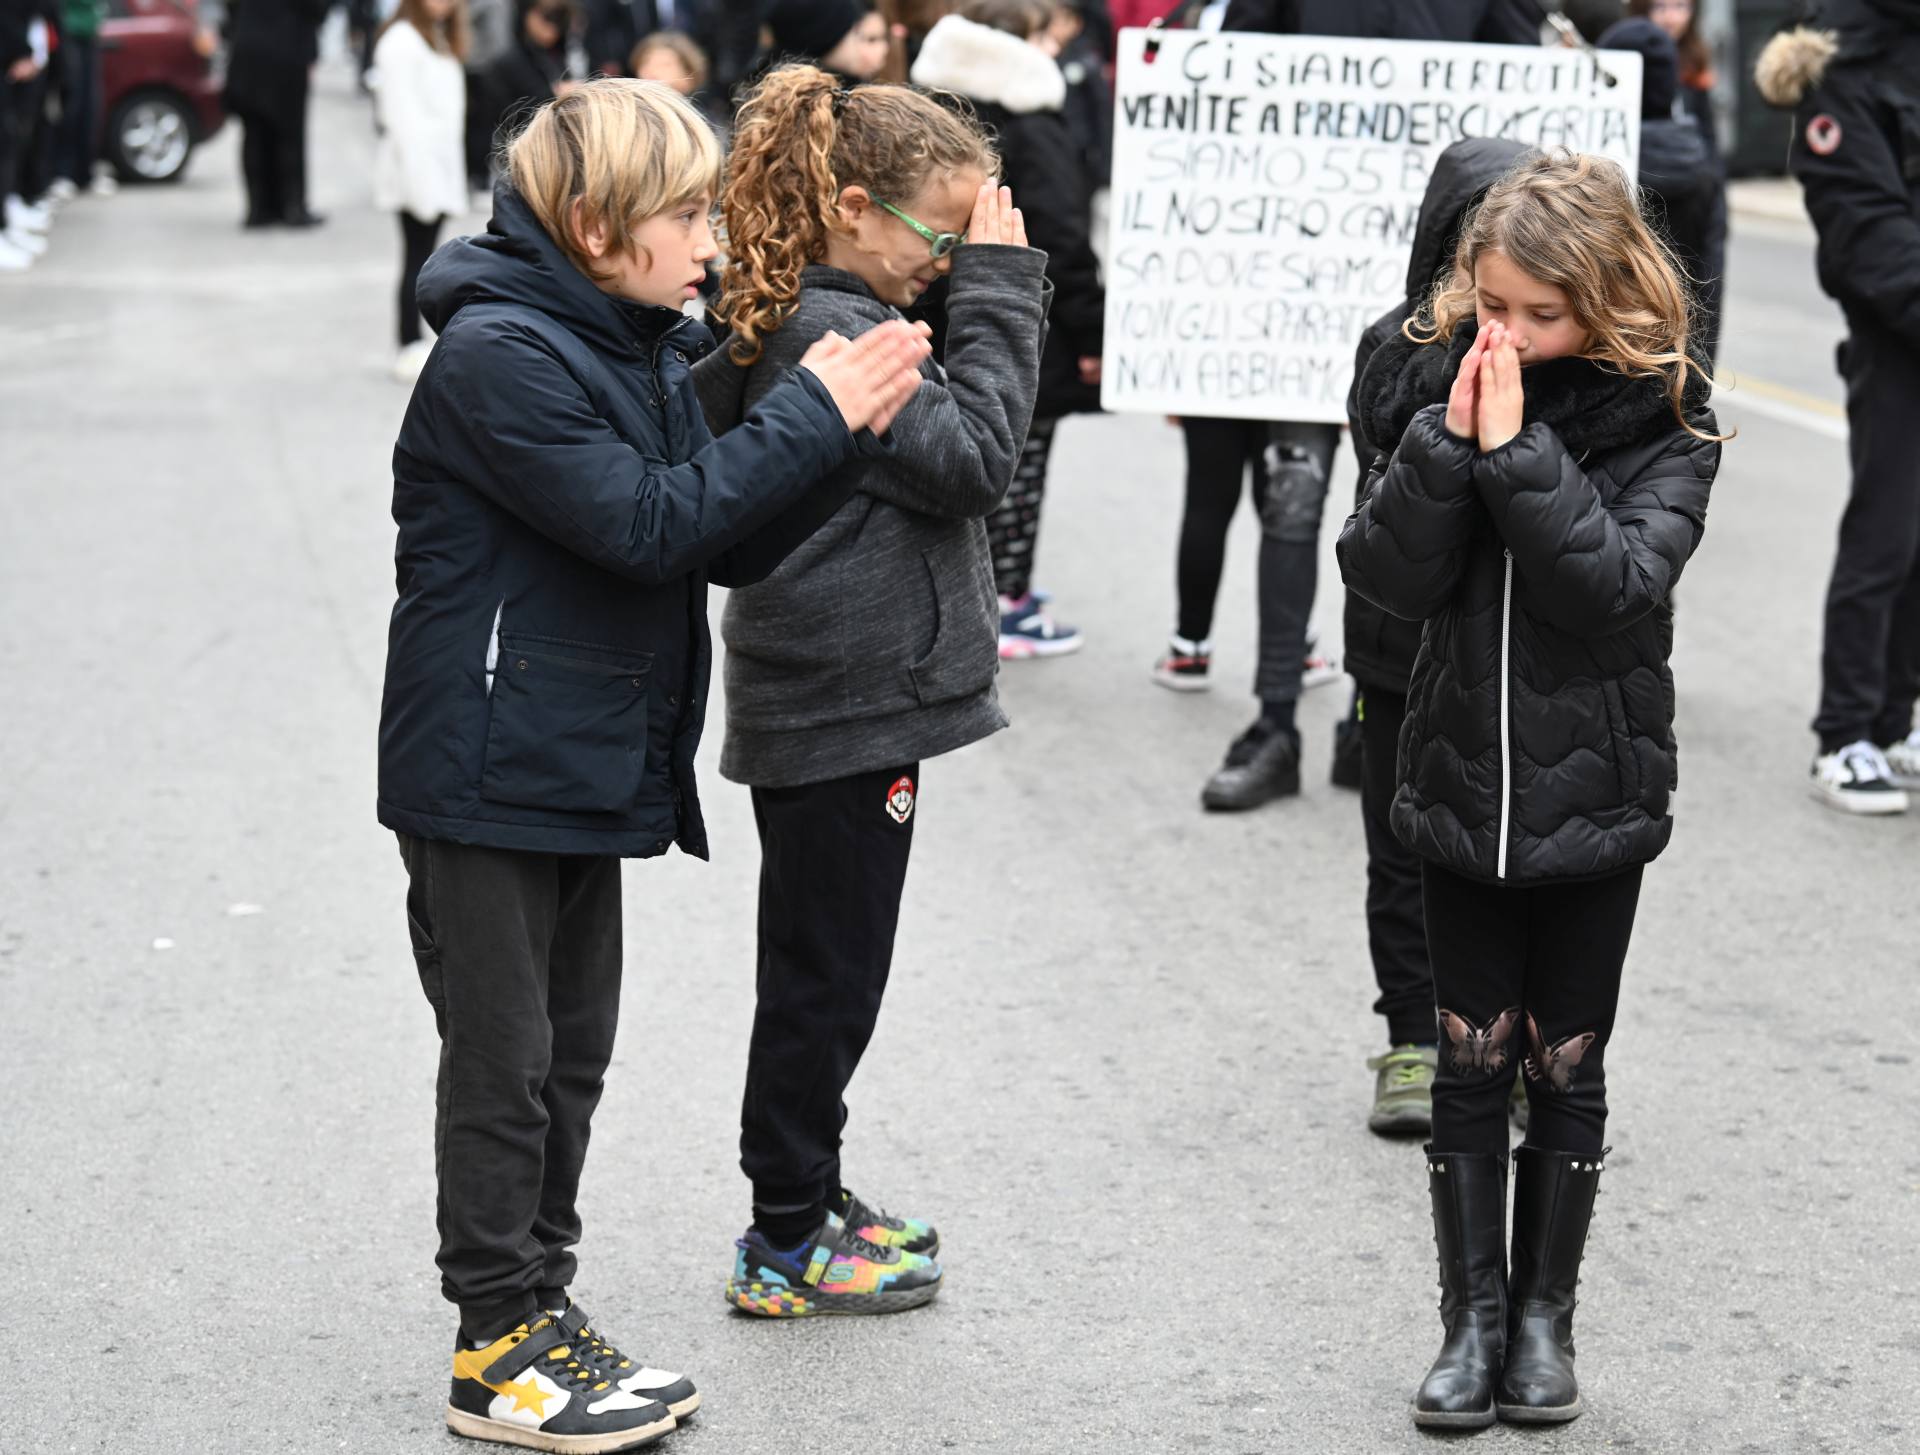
{"x": 1266, "y": 189}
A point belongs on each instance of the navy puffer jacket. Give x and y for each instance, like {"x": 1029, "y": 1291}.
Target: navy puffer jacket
{"x": 1538, "y": 742}
{"x": 562, "y": 506}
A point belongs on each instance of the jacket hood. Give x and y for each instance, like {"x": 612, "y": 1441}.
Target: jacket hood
{"x": 1660, "y": 62}
{"x": 1796, "y": 60}
{"x": 1460, "y": 178}
{"x": 990, "y": 65}
{"x": 514, "y": 261}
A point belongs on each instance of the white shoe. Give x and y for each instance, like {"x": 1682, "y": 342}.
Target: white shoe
{"x": 1857, "y": 779}
{"x": 13, "y": 259}
{"x": 24, "y": 218}
{"x": 1903, "y": 761}
{"x": 411, "y": 360}
{"x": 61, "y": 191}
{"x": 30, "y": 243}
{"x": 104, "y": 183}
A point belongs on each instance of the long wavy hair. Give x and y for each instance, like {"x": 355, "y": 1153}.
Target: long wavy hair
{"x": 1573, "y": 221}
{"x": 799, "y": 141}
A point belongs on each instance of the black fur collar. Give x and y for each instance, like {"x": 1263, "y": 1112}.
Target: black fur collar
{"x": 1589, "y": 405}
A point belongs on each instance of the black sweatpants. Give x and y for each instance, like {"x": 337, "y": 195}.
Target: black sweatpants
{"x": 1396, "y": 926}
{"x": 273, "y": 150}
{"x": 1291, "y": 463}
{"x": 1014, "y": 529}
{"x": 833, "y": 864}
{"x": 417, "y": 242}
{"x": 1525, "y": 975}
{"x": 1870, "y": 663}
{"x": 519, "y": 955}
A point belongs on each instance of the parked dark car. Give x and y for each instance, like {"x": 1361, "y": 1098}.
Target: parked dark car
{"x": 161, "y": 96}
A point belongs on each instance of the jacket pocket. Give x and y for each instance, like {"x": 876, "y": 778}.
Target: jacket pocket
{"x": 566, "y": 726}
{"x": 1626, "y": 764}
{"x": 965, "y": 652}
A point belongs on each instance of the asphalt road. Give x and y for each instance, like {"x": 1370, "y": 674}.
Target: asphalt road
{"x": 1121, "y": 1065}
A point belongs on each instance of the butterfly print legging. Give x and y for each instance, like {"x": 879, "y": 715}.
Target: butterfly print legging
{"x": 1526, "y": 981}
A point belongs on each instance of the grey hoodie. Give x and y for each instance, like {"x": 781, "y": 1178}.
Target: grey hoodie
{"x": 876, "y": 642}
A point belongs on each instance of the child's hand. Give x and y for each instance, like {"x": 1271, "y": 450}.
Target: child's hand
{"x": 1503, "y": 404}
{"x": 873, "y": 377}
{"x": 1463, "y": 404}
{"x": 996, "y": 219}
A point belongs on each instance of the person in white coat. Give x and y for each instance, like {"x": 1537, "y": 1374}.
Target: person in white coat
{"x": 420, "y": 168}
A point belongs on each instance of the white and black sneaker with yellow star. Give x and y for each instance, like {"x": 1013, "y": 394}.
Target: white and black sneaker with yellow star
{"x": 675, "y": 1391}
{"x": 536, "y": 1388}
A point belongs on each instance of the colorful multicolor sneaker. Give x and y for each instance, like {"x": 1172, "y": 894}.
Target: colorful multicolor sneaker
{"x": 1027, "y": 631}
{"x": 889, "y": 1232}
{"x": 533, "y": 1388}
{"x": 675, "y": 1391}
{"x": 836, "y": 1271}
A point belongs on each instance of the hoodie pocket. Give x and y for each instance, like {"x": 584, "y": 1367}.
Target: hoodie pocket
{"x": 965, "y": 652}
{"x": 1625, "y": 763}
{"x": 566, "y": 725}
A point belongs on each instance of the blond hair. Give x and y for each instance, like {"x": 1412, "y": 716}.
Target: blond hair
{"x": 683, "y": 48}
{"x": 1573, "y": 221}
{"x": 801, "y": 138}
{"x": 611, "y": 153}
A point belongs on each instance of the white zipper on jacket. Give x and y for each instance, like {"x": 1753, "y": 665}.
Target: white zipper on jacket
{"x": 1506, "y": 714}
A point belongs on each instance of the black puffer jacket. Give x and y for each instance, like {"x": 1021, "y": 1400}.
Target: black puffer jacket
{"x": 1539, "y": 735}
{"x": 1856, "y": 149}
{"x": 1380, "y": 646}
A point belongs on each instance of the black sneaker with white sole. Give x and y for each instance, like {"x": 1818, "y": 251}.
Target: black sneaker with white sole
{"x": 675, "y": 1391}
{"x": 1857, "y": 779}
{"x": 535, "y": 1388}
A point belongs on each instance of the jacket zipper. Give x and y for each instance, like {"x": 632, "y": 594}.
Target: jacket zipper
{"x": 1506, "y": 713}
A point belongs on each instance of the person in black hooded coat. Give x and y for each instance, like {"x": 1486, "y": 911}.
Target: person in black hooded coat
{"x": 271, "y": 48}
{"x": 1853, "y": 77}
{"x": 1380, "y": 654}
{"x": 1535, "y": 518}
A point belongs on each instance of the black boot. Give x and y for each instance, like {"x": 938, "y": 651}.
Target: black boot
{"x": 1470, "y": 1228}
{"x": 1552, "y": 1206}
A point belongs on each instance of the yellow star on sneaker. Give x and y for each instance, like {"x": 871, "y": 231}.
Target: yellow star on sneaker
{"x": 526, "y": 1394}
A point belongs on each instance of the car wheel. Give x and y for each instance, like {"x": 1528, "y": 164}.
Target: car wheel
{"x": 150, "y": 137}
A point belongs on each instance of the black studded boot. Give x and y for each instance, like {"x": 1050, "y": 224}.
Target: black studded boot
{"x": 1552, "y": 1207}
{"x": 1470, "y": 1229}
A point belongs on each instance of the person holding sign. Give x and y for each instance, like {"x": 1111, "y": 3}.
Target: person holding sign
{"x": 1549, "y": 483}
{"x": 874, "y": 646}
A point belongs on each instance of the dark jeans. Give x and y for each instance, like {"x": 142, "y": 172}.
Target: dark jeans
{"x": 77, "y": 142}
{"x": 1014, "y": 529}
{"x": 417, "y": 242}
{"x": 1291, "y": 463}
{"x": 833, "y": 863}
{"x": 1396, "y": 926}
{"x": 273, "y": 152}
{"x": 1870, "y": 664}
{"x": 519, "y": 955}
{"x": 1510, "y": 964}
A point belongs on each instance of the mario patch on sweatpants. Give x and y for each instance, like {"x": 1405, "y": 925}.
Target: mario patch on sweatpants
{"x": 900, "y": 799}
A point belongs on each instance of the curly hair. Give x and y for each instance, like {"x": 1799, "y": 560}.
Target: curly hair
{"x": 799, "y": 141}
{"x": 1573, "y": 221}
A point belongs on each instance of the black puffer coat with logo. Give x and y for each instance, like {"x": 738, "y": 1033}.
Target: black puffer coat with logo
{"x": 1539, "y": 735}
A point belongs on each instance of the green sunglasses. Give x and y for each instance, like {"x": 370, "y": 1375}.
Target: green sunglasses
{"x": 942, "y": 243}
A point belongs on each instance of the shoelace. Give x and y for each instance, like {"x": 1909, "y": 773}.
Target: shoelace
{"x": 1863, "y": 762}
{"x": 564, "y": 1366}
{"x": 860, "y": 1215}
{"x": 600, "y": 1352}
{"x": 852, "y": 1242}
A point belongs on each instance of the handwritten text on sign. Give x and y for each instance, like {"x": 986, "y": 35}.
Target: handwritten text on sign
{"x": 1266, "y": 190}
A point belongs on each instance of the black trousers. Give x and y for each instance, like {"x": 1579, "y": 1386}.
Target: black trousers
{"x": 1291, "y": 463}
{"x": 417, "y": 241}
{"x": 1396, "y": 924}
{"x": 833, "y": 864}
{"x": 1014, "y": 529}
{"x": 1529, "y": 974}
{"x": 1870, "y": 663}
{"x": 273, "y": 151}
{"x": 519, "y": 955}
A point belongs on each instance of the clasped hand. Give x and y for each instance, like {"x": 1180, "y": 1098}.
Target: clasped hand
{"x": 1487, "y": 405}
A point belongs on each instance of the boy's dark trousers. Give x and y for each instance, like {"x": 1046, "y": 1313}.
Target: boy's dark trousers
{"x": 833, "y": 863}
{"x": 519, "y": 955}
{"x": 1396, "y": 926}
{"x": 1870, "y": 664}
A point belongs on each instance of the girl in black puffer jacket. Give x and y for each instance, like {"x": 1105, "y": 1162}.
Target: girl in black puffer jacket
{"x": 1549, "y": 485}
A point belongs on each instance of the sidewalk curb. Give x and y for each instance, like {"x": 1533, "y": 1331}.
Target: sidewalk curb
{"x": 1776, "y": 199}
